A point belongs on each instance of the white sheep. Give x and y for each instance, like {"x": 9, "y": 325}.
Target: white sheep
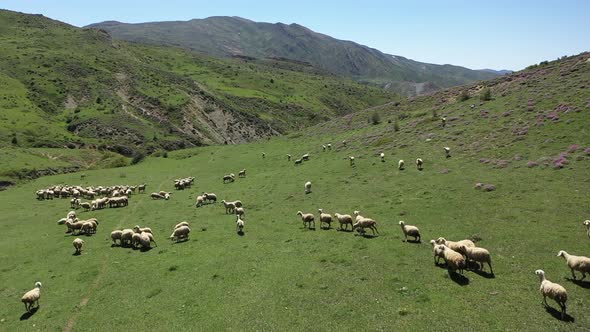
{"x": 297, "y": 162}
{"x": 31, "y": 297}
{"x": 210, "y": 197}
{"x": 145, "y": 239}
{"x": 138, "y": 229}
{"x": 78, "y": 243}
{"x": 400, "y": 165}
{"x": 228, "y": 178}
{"x": 73, "y": 225}
{"x": 88, "y": 227}
{"x": 325, "y": 218}
{"x": 323, "y": 147}
{"x": 419, "y": 164}
{"x": 135, "y": 240}
{"x": 180, "y": 224}
{"x": 307, "y": 218}
{"x": 344, "y": 219}
{"x": 587, "y": 224}
{"x": 263, "y": 155}
{"x": 305, "y": 157}
{"x": 71, "y": 215}
{"x": 455, "y": 261}
{"x": 344, "y": 142}
{"x": 240, "y": 212}
{"x": 116, "y": 235}
{"x": 437, "y": 251}
{"x": 479, "y": 255}
{"x": 307, "y": 187}
{"x": 180, "y": 233}
{"x": 126, "y": 236}
{"x": 411, "y": 231}
{"x": 158, "y": 196}
{"x": 362, "y": 223}
{"x": 288, "y": 157}
{"x": 85, "y": 205}
{"x": 239, "y": 225}
{"x": 578, "y": 263}
{"x": 329, "y": 146}
{"x": 552, "y": 290}
{"x": 447, "y": 151}
{"x": 230, "y": 207}
{"x": 456, "y": 246}
{"x": 382, "y": 156}
{"x": 200, "y": 201}
{"x": 242, "y": 173}
{"x": 62, "y": 221}
{"x": 351, "y": 159}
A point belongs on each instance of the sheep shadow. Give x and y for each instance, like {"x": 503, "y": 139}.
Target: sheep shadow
{"x": 413, "y": 241}
{"x": 344, "y": 230}
{"x": 115, "y": 245}
{"x": 482, "y": 273}
{"x": 241, "y": 233}
{"x": 557, "y": 314}
{"x": 325, "y": 228}
{"x": 77, "y": 253}
{"x": 29, "y": 314}
{"x": 581, "y": 283}
{"x": 367, "y": 236}
{"x": 181, "y": 241}
{"x": 459, "y": 279}
{"x": 145, "y": 249}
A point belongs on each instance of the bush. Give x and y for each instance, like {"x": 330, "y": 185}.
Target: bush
{"x": 485, "y": 94}
{"x": 396, "y": 126}
{"x": 463, "y": 96}
{"x": 376, "y": 118}
{"x": 139, "y": 156}
{"x": 14, "y": 140}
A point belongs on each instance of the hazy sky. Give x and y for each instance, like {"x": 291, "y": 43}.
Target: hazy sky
{"x": 507, "y": 34}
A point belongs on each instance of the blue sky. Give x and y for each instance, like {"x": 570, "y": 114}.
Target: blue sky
{"x": 475, "y": 34}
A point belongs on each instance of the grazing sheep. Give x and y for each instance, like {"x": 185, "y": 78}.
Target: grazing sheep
{"x": 228, "y": 178}
{"x": 578, "y": 263}
{"x": 74, "y": 203}
{"x": 555, "y": 292}
{"x": 88, "y": 227}
{"x": 305, "y": 157}
{"x": 298, "y": 162}
{"x": 325, "y": 218}
{"x": 307, "y": 187}
{"x": 78, "y": 243}
{"x": 138, "y": 229}
{"x": 158, "y": 196}
{"x": 200, "y": 201}
{"x": 242, "y": 173}
{"x": 288, "y": 157}
{"x": 382, "y": 156}
{"x": 443, "y": 121}
{"x": 116, "y": 235}
{"x": 456, "y": 246}
{"x": 126, "y": 236}
{"x": 71, "y": 215}
{"x": 146, "y": 239}
{"x": 240, "y": 212}
{"x": 230, "y": 207}
{"x": 437, "y": 251}
{"x": 419, "y": 164}
{"x": 62, "y": 221}
{"x": 141, "y": 188}
{"x": 238, "y": 203}
{"x": 411, "y": 231}
{"x": 455, "y": 261}
{"x": 239, "y": 225}
{"x": 73, "y": 225}
{"x": 180, "y": 224}
{"x": 263, "y": 155}
{"x": 86, "y": 206}
{"x": 400, "y": 165}
{"x": 479, "y": 255}
{"x": 323, "y": 147}
{"x": 447, "y": 151}
{"x": 344, "y": 219}
{"x": 210, "y": 197}
{"x": 31, "y": 297}
{"x": 329, "y": 146}
{"x": 135, "y": 240}
{"x": 343, "y": 142}
{"x": 587, "y": 224}
{"x": 180, "y": 233}
{"x": 307, "y": 218}
{"x": 351, "y": 159}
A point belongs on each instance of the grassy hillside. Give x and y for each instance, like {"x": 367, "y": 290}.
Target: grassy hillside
{"x": 63, "y": 85}
{"x": 280, "y": 276}
{"x": 228, "y": 36}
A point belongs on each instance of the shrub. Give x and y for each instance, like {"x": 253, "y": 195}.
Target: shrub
{"x": 137, "y": 158}
{"x": 376, "y": 118}
{"x": 463, "y": 96}
{"x": 485, "y": 94}
{"x": 396, "y": 126}
{"x": 14, "y": 140}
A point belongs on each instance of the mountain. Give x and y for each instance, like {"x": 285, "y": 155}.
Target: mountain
{"x": 65, "y": 86}
{"x": 498, "y": 72}
{"x": 230, "y": 36}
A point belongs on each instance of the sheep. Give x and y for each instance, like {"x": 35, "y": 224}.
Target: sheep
{"x": 263, "y": 155}
{"x": 239, "y": 225}
{"x": 587, "y": 224}
{"x": 578, "y": 263}
{"x": 362, "y": 223}
{"x": 382, "y": 156}
{"x": 146, "y": 239}
{"x": 74, "y": 203}
{"x": 455, "y": 261}
{"x": 180, "y": 233}
{"x": 411, "y": 231}
{"x": 401, "y": 164}
{"x": 351, "y": 159}
{"x": 447, "y": 151}
{"x": 437, "y": 251}
{"x": 288, "y": 157}
{"x": 343, "y": 142}
{"x": 210, "y": 197}
{"x": 71, "y": 215}
{"x": 344, "y": 219}
{"x": 242, "y": 173}
{"x": 73, "y": 225}
{"x": 135, "y": 240}
{"x": 228, "y": 178}
{"x": 329, "y": 146}
{"x": 78, "y": 243}
{"x": 31, "y": 297}
{"x": 443, "y": 121}
{"x": 86, "y": 206}
{"x": 419, "y": 164}
{"x": 88, "y": 227}
{"x": 555, "y": 292}
{"x": 138, "y": 229}
{"x": 307, "y": 187}
{"x": 307, "y": 218}
{"x": 230, "y": 207}
{"x": 180, "y": 224}
{"x": 126, "y": 236}
{"x": 200, "y": 201}
{"x": 479, "y": 255}
{"x": 325, "y": 218}
{"x": 298, "y": 162}
{"x": 323, "y": 147}
{"x": 141, "y": 188}
{"x": 62, "y": 221}
{"x": 240, "y": 212}
{"x": 158, "y": 196}
{"x": 305, "y": 157}
{"x": 116, "y": 235}
{"x": 238, "y": 203}
{"x": 455, "y": 245}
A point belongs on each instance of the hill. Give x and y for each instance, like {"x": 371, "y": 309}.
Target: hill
{"x": 529, "y": 140}
{"x": 229, "y": 36}
{"x": 65, "y": 86}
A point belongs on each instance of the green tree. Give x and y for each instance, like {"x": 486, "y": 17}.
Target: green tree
{"x": 376, "y": 118}
{"x": 485, "y": 94}
{"x": 463, "y": 96}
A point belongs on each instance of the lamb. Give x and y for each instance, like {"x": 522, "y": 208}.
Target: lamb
{"x": 411, "y": 231}
{"x": 555, "y": 292}
{"x": 419, "y": 164}
{"x": 307, "y": 218}
{"x": 86, "y": 206}
{"x": 31, "y": 297}
{"x": 126, "y": 236}
{"x": 180, "y": 233}
{"x": 479, "y": 255}
{"x": 437, "y": 251}
{"x": 447, "y": 151}
{"x": 307, "y": 187}
{"x": 587, "y": 224}
{"x": 116, "y": 235}
{"x": 180, "y": 224}
{"x": 382, "y": 156}
{"x": 242, "y": 173}
{"x": 200, "y": 201}
{"x": 240, "y": 212}
{"x": 288, "y": 157}
{"x": 455, "y": 261}
{"x": 239, "y": 225}
{"x": 400, "y": 165}
{"x": 228, "y": 178}
{"x": 455, "y": 245}
{"x": 325, "y": 218}
{"x": 297, "y": 162}
{"x": 138, "y": 229}
{"x": 344, "y": 219}
{"x": 351, "y": 159}
{"x": 210, "y": 197}
{"x": 578, "y": 263}
{"x": 230, "y": 207}
{"x": 78, "y": 243}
